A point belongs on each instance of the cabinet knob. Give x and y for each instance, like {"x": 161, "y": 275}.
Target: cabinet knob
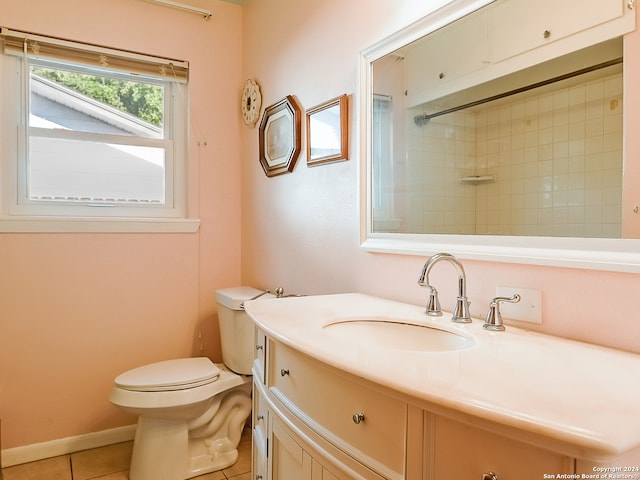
{"x": 259, "y": 347}
{"x": 489, "y": 476}
{"x": 546, "y": 34}
{"x": 284, "y": 372}
{"x": 258, "y": 476}
{"x": 358, "y": 417}
{"x": 260, "y": 417}
{"x": 441, "y": 76}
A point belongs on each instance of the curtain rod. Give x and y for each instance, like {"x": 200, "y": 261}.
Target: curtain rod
{"x": 422, "y": 120}
{"x": 183, "y": 6}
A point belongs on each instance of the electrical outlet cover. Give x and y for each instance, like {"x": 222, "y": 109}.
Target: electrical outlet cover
{"x": 528, "y": 309}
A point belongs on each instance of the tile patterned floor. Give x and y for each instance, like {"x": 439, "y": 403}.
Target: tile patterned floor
{"x": 112, "y": 463}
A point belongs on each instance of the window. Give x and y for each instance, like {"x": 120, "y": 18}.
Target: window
{"x": 91, "y": 132}
{"x": 382, "y": 158}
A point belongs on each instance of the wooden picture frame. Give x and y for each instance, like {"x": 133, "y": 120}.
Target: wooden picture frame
{"x": 280, "y": 137}
{"x": 327, "y": 132}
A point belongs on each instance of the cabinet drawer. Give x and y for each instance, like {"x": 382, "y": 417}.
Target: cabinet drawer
{"x": 334, "y": 402}
{"x": 464, "y": 452}
{"x": 260, "y": 352}
{"x": 292, "y": 459}
{"x": 260, "y": 411}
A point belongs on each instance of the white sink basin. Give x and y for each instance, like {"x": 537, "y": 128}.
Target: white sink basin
{"x": 398, "y": 335}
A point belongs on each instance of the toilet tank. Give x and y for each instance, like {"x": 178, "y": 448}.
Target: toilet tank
{"x": 236, "y": 328}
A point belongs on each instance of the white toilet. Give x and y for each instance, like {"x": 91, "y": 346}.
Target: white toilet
{"x": 191, "y": 412}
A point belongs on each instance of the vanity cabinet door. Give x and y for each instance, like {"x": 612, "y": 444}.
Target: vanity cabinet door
{"x": 438, "y": 66}
{"x": 466, "y": 453}
{"x": 321, "y": 473}
{"x": 290, "y": 461}
{"x": 260, "y": 413}
{"x": 259, "y": 461}
{"x": 517, "y": 26}
{"x": 287, "y": 459}
{"x": 259, "y": 433}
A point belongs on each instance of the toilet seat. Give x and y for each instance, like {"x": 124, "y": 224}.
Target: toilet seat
{"x": 170, "y": 375}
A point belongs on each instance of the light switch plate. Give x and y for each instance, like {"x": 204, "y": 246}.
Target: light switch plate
{"x": 528, "y": 309}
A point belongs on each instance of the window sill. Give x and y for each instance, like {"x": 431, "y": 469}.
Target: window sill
{"x": 97, "y": 225}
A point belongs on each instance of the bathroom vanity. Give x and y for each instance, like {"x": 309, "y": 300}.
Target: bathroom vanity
{"x": 357, "y": 387}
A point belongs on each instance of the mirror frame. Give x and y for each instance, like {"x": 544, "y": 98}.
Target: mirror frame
{"x": 621, "y": 255}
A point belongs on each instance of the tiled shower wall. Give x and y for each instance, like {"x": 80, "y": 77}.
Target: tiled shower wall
{"x": 556, "y": 157}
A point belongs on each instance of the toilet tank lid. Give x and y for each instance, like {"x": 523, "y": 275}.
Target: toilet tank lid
{"x": 234, "y": 297}
{"x": 175, "y": 374}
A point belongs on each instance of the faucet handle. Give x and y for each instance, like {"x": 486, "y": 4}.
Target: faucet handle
{"x": 493, "y": 321}
{"x": 433, "y": 303}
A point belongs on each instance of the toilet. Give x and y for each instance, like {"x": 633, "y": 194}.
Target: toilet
{"x": 191, "y": 412}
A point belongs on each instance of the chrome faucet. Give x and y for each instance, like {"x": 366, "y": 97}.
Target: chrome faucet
{"x": 461, "y": 313}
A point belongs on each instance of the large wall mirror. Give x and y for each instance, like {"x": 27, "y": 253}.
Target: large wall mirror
{"x": 500, "y": 139}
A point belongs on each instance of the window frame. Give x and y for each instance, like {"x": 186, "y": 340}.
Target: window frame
{"x": 19, "y": 214}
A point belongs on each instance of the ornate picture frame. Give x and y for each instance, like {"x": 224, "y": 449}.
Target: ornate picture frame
{"x": 327, "y": 132}
{"x": 280, "y": 136}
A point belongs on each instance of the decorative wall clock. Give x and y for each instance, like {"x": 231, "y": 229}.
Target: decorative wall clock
{"x": 251, "y": 102}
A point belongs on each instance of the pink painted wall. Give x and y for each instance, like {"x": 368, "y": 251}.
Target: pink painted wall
{"x": 78, "y": 309}
{"x": 301, "y": 230}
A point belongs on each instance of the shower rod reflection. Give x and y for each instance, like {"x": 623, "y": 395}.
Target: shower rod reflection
{"x": 422, "y": 120}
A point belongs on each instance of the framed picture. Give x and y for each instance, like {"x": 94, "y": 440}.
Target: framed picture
{"x": 327, "y": 132}
{"x": 279, "y": 137}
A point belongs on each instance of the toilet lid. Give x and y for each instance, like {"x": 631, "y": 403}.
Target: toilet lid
{"x": 178, "y": 374}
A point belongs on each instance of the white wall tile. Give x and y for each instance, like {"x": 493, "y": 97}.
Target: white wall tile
{"x": 556, "y": 157}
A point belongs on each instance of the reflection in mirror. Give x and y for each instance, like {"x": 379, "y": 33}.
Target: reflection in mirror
{"x": 382, "y": 163}
{"x": 534, "y": 153}
{"x": 327, "y": 136}
{"x": 534, "y": 176}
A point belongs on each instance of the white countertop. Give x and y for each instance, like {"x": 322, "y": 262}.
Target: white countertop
{"x": 581, "y": 395}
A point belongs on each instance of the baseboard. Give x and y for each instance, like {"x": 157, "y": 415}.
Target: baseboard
{"x": 64, "y": 446}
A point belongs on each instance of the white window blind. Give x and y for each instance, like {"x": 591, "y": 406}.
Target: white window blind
{"x": 25, "y": 43}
